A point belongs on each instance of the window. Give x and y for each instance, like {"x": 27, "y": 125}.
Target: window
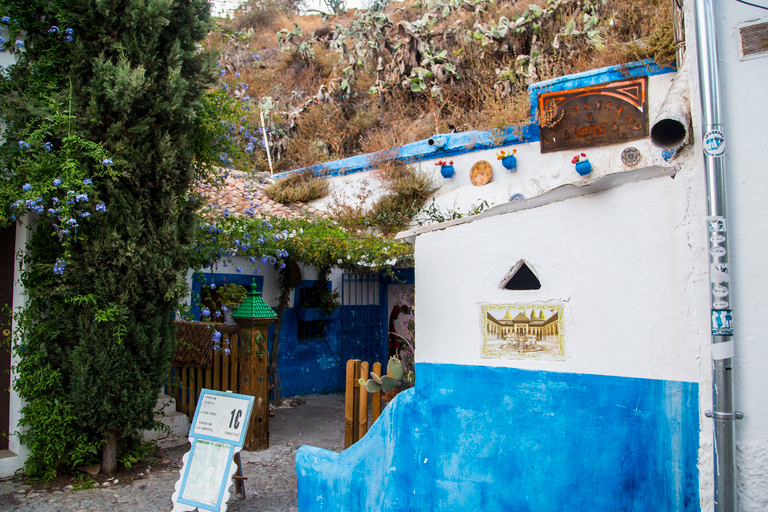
{"x": 521, "y": 278}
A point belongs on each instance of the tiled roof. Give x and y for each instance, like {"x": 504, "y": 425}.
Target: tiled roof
{"x": 242, "y": 194}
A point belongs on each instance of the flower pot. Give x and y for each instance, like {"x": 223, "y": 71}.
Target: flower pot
{"x": 447, "y": 171}
{"x": 509, "y": 162}
{"x": 583, "y": 167}
{"x": 310, "y": 314}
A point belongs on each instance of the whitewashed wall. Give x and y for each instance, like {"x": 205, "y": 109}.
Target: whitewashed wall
{"x": 13, "y": 460}
{"x": 536, "y": 173}
{"x": 616, "y": 259}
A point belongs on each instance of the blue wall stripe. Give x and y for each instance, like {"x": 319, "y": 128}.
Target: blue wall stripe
{"x": 501, "y": 439}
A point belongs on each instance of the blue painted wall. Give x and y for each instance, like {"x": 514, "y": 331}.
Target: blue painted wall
{"x": 310, "y": 366}
{"x": 471, "y": 438}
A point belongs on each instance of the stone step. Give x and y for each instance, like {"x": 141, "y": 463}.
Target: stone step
{"x": 178, "y": 423}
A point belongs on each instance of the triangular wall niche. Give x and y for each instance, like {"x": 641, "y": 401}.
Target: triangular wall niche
{"x": 522, "y": 278}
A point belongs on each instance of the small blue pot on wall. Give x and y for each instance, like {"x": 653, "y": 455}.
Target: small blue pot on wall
{"x": 583, "y": 167}
{"x": 447, "y": 171}
{"x": 509, "y": 162}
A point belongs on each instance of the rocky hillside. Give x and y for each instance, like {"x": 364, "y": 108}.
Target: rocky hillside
{"x": 335, "y": 86}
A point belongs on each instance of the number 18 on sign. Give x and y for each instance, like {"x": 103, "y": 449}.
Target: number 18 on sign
{"x": 217, "y": 434}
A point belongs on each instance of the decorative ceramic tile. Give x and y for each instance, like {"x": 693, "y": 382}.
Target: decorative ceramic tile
{"x": 523, "y": 331}
{"x": 630, "y": 156}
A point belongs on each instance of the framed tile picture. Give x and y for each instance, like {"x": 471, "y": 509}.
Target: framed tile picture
{"x": 523, "y": 331}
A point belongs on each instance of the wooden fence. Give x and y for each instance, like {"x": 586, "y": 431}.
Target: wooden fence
{"x": 186, "y": 379}
{"x": 356, "y": 401}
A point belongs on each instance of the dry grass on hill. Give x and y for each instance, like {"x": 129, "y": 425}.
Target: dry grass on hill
{"x": 364, "y": 81}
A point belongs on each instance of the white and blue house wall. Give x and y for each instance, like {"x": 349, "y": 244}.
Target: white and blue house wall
{"x": 618, "y": 423}
{"x": 614, "y": 426}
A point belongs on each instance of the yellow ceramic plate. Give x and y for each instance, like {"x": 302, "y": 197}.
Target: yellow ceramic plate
{"x": 481, "y": 173}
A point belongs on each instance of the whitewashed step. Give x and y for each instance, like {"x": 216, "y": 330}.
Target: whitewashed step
{"x": 178, "y": 423}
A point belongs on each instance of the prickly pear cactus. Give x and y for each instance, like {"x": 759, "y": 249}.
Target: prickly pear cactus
{"x": 395, "y": 368}
{"x": 395, "y": 381}
{"x": 388, "y": 383}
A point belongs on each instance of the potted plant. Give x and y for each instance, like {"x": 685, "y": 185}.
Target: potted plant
{"x": 446, "y": 168}
{"x": 583, "y": 167}
{"x": 508, "y": 160}
{"x": 231, "y": 296}
{"x": 318, "y": 303}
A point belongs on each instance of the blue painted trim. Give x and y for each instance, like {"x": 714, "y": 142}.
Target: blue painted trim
{"x": 402, "y": 276}
{"x": 647, "y": 67}
{"x": 455, "y": 144}
{"x": 467, "y": 142}
{"x": 220, "y": 279}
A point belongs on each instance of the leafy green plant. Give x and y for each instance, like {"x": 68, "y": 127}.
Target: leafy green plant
{"x": 232, "y": 294}
{"x": 121, "y": 132}
{"x": 135, "y": 450}
{"x": 320, "y": 296}
{"x": 83, "y": 482}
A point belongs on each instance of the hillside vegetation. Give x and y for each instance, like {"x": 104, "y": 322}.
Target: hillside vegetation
{"x": 366, "y": 80}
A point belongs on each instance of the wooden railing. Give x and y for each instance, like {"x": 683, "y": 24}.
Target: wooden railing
{"x": 221, "y": 374}
{"x": 356, "y": 401}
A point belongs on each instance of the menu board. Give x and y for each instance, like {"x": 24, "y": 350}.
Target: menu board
{"x": 218, "y": 432}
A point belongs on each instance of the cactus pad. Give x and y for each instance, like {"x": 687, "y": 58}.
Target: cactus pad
{"x": 388, "y": 383}
{"x": 395, "y": 368}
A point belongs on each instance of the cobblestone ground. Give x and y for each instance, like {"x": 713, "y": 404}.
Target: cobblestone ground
{"x": 271, "y": 484}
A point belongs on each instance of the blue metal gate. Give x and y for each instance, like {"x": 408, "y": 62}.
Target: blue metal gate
{"x": 364, "y": 313}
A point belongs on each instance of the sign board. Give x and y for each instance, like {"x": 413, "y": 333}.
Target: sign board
{"x": 596, "y": 115}
{"x": 218, "y": 432}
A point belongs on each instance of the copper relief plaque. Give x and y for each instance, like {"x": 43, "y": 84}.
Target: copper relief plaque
{"x": 596, "y": 115}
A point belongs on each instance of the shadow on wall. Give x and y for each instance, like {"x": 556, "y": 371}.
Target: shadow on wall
{"x": 501, "y": 439}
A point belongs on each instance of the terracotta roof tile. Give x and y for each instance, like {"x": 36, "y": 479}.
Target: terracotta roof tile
{"x": 242, "y": 194}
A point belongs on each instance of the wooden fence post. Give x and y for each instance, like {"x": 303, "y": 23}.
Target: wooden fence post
{"x": 362, "y": 418}
{"x": 254, "y": 381}
{"x": 376, "y": 397}
{"x": 350, "y": 404}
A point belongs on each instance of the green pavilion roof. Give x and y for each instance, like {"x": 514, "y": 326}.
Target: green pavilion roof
{"x": 254, "y": 306}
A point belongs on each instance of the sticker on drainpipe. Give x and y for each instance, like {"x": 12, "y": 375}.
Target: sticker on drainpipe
{"x": 722, "y": 322}
{"x": 714, "y": 143}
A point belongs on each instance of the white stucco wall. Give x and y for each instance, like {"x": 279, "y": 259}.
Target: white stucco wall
{"x": 13, "y": 459}
{"x": 616, "y": 259}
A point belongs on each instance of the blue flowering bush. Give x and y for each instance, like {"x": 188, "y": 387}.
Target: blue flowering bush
{"x": 104, "y": 130}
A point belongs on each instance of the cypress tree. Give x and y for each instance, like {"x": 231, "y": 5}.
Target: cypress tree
{"x": 134, "y": 76}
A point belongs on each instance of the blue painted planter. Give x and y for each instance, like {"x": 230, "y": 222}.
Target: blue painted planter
{"x": 310, "y": 314}
{"x": 447, "y": 171}
{"x": 583, "y": 167}
{"x": 509, "y": 162}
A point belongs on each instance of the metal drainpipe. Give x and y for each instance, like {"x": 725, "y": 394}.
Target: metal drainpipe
{"x": 719, "y": 271}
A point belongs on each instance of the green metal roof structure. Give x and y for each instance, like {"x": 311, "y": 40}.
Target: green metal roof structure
{"x": 254, "y": 306}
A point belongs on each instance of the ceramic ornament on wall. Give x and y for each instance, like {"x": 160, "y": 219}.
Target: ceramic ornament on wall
{"x": 523, "y": 331}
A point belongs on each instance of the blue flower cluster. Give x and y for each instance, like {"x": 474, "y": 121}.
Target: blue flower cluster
{"x": 59, "y": 266}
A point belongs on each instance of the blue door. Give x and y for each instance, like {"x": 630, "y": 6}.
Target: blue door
{"x": 364, "y": 332}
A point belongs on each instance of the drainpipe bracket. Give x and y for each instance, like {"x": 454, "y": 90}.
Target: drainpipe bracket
{"x": 724, "y": 415}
